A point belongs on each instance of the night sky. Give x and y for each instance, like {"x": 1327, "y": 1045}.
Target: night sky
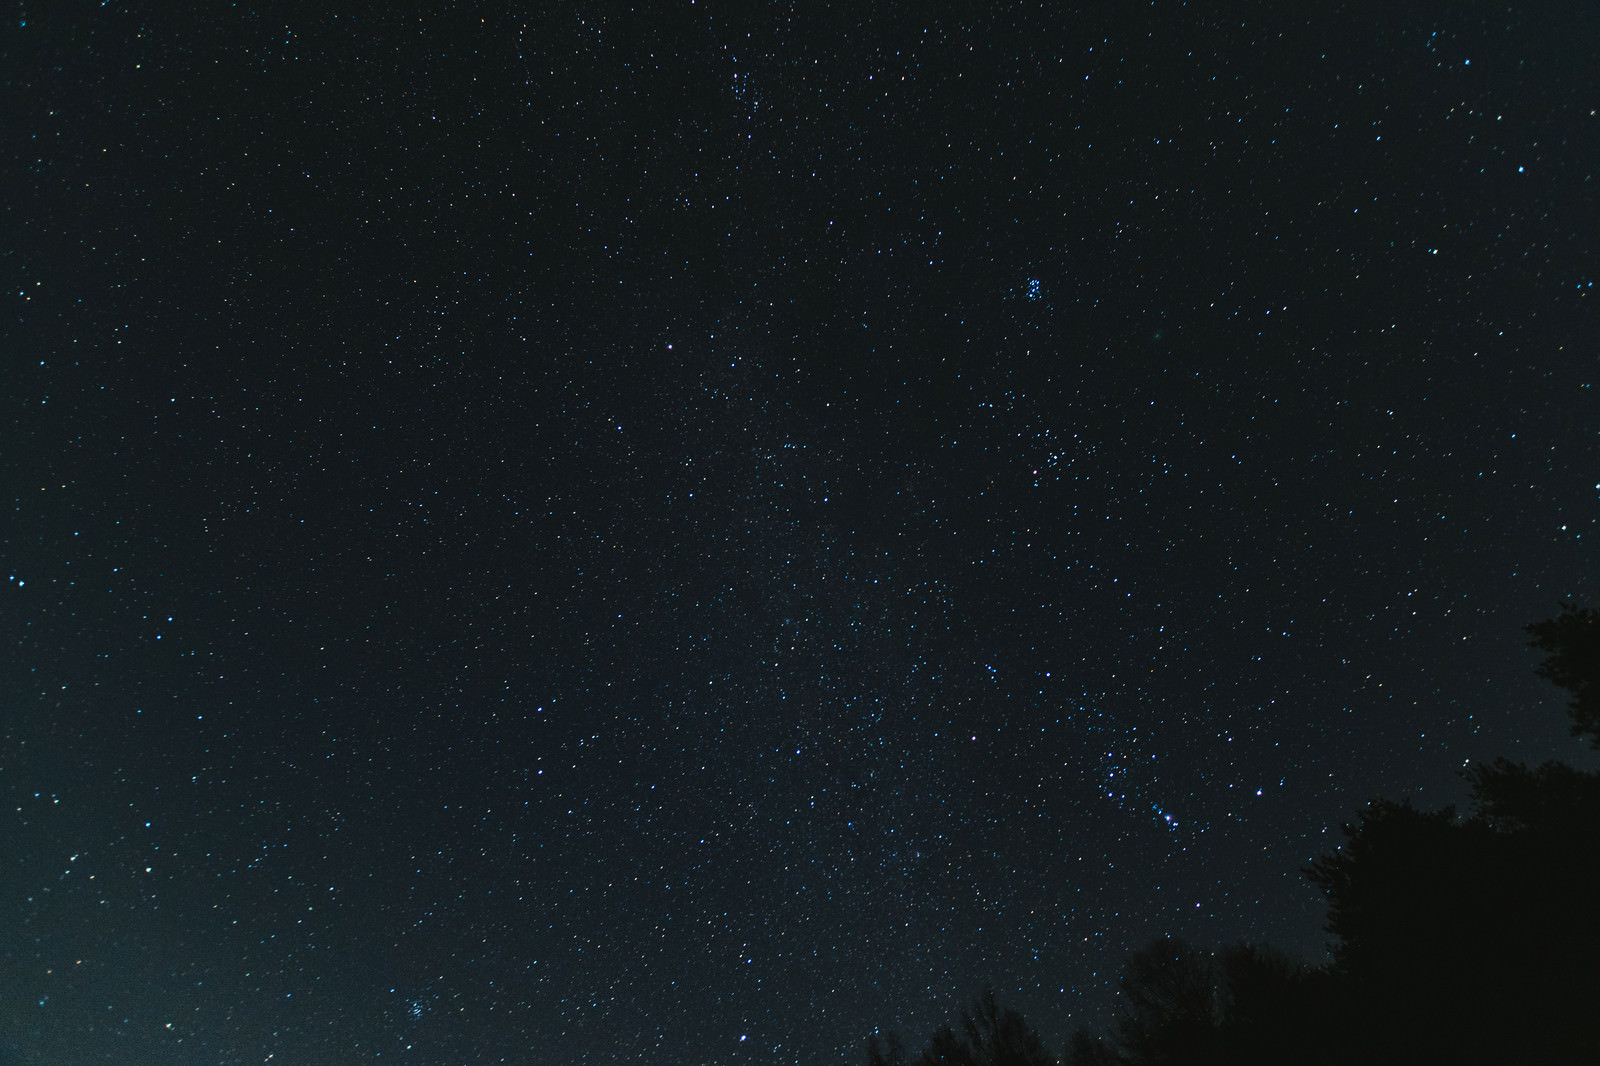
{"x": 688, "y": 535}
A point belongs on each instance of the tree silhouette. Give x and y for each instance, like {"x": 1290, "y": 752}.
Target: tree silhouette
{"x": 1571, "y": 642}
{"x": 1477, "y": 939}
{"x": 1398, "y": 905}
{"x": 1461, "y": 940}
{"x": 1087, "y": 1049}
{"x": 885, "y": 1051}
{"x": 1242, "y": 1006}
{"x": 1554, "y": 798}
{"x": 1466, "y": 941}
{"x": 1276, "y": 1009}
{"x": 1456, "y": 939}
{"x": 989, "y": 1036}
{"x": 1172, "y": 1010}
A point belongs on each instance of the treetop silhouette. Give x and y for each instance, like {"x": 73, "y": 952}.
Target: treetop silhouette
{"x": 1571, "y": 641}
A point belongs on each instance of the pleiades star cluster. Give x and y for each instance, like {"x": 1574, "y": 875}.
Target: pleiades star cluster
{"x": 556, "y": 534}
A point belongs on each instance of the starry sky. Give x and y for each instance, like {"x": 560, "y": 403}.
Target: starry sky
{"x": 691, "y": 534}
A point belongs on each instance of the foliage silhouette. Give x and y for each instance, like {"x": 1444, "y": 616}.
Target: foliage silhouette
{"x": 1173, "y": 1005}
{"x": 1087, "y": 1049}
{"x": 1571, "y": 641}
{"x": 1476, "y": 939}
{"x": 1242, "y": 1006}
{"x": 1469, "y": 940}
{"x": 1275, "y": 1008}
{"x": 1553, "y": 799}
{"x": 989, "y": 1036}
{"x": 1456, "y": 939}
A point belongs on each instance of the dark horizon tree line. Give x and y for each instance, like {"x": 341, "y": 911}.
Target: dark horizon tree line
{"x": 1457, "y": 939}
